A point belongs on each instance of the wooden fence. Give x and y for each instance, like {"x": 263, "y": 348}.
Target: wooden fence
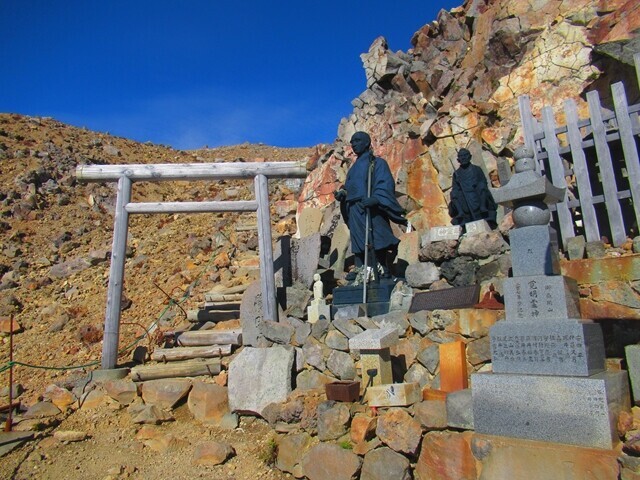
{"x": 596, "y": 159}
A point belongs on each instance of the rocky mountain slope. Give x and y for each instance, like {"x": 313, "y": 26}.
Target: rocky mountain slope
{"x": 457, "y": 87}
{"x": 55, "y": 239}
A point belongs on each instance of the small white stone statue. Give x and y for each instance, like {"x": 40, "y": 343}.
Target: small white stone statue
{"x": 318, "y": 307}
{"x": 318, "y": 290}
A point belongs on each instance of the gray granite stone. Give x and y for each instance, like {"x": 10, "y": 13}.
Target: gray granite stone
{"x": 540, "y": 297}
{"x": 632, "y": 354}
{"x": 460, "y": 409}
{"x": 396, "y": 319}
{"x": 251, "y": 313}
{"x": 528, "y": 185}
{"x": 422, "y": 274}
{"x": 595, "y": 249}
{"x": 306, "y": 254}
{"x": 258, "y": 377}
{"x": 347, "y": 312}
{"x": 320, "y": 328}
{"x": 576, "y": 247}
{"x": 341, "y": 365}
{"x": 348, "y": 327}
{"x": 533, "y": 252}
{"x": 374, "y": 339}
{"x": 571, "y": 410}
{"x": 430, "y": 358}
{"x": 337, "y": 341}
{"x": 547, "y": 348}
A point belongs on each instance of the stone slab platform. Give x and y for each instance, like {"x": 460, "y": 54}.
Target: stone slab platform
{"x": 516, "y": 459}
{"x": 570, "y": 410}
{"x": 547, "y": 348}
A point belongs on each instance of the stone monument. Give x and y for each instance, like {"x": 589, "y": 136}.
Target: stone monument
{"x": 549, "y": 381}
{"x": 318, "y": 307}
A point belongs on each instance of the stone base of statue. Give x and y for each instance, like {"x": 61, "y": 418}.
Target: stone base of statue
{"x": 315, "y": 311}
{"x": 574, "y": 410}
{"x": 378, "y": 296}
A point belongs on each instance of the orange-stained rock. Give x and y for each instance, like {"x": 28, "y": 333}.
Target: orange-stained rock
{"x": 604, "y": 310}
{"x": 515, "y": 459}
{"x": 473, "y": 322}
{"x": 447, "y": 456}
{"x": 363, "y": 427}
{"x": 7, "y": 325}
{"x": 399, "y": 431}
{"x": 590, "y": 271}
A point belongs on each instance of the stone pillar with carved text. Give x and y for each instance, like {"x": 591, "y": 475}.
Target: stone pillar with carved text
{"x": 549, "y": 381}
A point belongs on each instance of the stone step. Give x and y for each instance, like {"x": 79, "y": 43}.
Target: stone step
{"x": 209, "y": 337}
{"x": 196, "y": 316}
{"x": 213, "y": 298}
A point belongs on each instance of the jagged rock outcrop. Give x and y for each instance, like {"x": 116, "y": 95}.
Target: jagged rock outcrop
{"x": 459, "y": 87}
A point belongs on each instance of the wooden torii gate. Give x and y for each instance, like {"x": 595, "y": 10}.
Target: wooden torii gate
{"x": 125, "y": 175}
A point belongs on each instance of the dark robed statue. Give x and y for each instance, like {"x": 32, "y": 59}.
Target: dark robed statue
{"x": 370, "y": 189}
{"x": 471, "y": 199}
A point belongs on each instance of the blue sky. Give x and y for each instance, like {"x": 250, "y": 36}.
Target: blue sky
{"x": 198, "y": 72}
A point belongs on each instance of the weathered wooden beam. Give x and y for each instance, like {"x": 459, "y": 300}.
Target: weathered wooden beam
{"x": 581, "y": 171}
{"x": 189, "y": 171}
{"x": 190, "y": 368}
{"x": 187, "y": 353}
{"x": 605, "y": 166}
{"x": 629, "y": 148}
{"x": 116, "y": 275}
{"x": 212, "y": 298}
{"x": 192, "y": 207}
{"x": 194, "y": 338}
{"x": 265, "y": 248}
{"x": 565, "y": 222}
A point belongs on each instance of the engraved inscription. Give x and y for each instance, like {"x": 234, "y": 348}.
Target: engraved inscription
{"x": 535, "y": 349}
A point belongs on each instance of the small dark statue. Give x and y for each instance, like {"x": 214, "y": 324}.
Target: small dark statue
{"x": 368, "y": 203}
{"x": 471, "y": 199}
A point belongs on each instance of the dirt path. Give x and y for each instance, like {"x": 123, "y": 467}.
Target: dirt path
{"x": 112, "y": 450}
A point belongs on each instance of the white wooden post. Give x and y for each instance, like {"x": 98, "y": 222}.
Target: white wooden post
{"x": 116, "y": 275}
{"x": 267, "y": 278}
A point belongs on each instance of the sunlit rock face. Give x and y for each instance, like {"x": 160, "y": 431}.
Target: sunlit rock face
{"x": 459, "y": 87}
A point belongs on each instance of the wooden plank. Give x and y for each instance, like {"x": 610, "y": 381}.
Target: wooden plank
{"x": 116, "y": 275}
{"x": 453, "y": 367}
{"x": 636, "y": 60}
{"x": 529, "y": 125}
{"x": 589, "y": 218}
{"x": 190, "y": 171}
{"x": 189, "y": 368}
{"x": 228, "y": 290}
{"x": 212, "y": 298}
{"x": 192, "y": 207}
{"x": 193, "y": 338}
{"x": 267, "y": 274}
{"x": 187, "y": 353}
{"x": 605, "y": 166}
{"x": 628, "y": 145}
{"x": 556, "y": 167}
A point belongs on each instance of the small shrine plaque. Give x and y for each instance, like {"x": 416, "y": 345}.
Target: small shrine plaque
{"x": 446, "y": 299}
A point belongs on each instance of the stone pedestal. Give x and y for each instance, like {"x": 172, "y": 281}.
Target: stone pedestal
{"x": 548, "y": 381}
{"x": 375, "y": 355}
{"x": 573, "y": 410}
{"x": 315, "y": 311}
